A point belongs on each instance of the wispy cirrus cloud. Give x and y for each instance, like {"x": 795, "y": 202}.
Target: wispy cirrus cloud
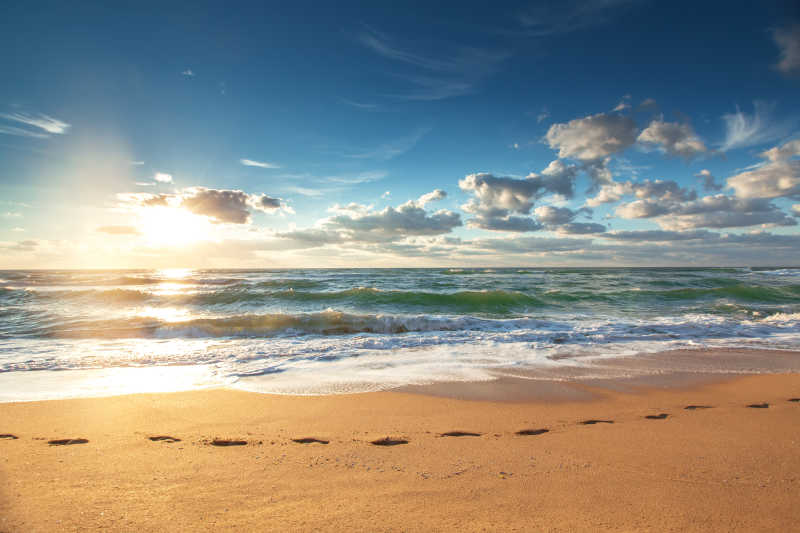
{"x": 743, "y": 129}
{"x": 259, "y": 164}
{"x": 366, "y": 106}
{"x": 435, "y": 76}
{"x": 391, "y": 149}
{"x": 39, "y": 126}
{"x": 552, "y": 18}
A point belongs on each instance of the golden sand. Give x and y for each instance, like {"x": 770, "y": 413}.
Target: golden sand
{"x": 636, "y": 460}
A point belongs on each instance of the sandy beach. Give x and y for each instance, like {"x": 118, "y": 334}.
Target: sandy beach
{"x": 713, "y": 456}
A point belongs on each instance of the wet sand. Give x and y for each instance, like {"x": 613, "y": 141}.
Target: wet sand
{"x": 604, "y": 458}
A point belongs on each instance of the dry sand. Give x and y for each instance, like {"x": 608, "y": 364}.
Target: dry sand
{"x": 729, "y": 467}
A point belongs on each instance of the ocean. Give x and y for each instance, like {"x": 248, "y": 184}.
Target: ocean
{"x": 88, "y": 333}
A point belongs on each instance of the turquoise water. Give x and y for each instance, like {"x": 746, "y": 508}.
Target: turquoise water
{"x": 316, "y": 331}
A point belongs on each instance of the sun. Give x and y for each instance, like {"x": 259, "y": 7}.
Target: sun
{"x": 172, "y": 226}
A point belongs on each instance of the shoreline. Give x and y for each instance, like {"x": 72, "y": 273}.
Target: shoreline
{"x": 729, "y": 467}
{"x": 663, "y": 369}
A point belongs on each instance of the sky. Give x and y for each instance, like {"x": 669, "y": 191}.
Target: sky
{"x": 322, "y": 134}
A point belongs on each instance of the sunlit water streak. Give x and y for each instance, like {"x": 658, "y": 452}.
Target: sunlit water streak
{"x": 328, "y": 331}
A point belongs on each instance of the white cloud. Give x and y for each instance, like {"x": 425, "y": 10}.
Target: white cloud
{"x": 778, "y": 177}
{"x": 356, "y": 179}
{"x": 718, "y": 211}
{"x": 648, "y": 104}
{"x": 219, "y": 205}
{"x": 495, "y": 198}
{"x": 674, "y": 138}
{"x": 658, "y": 191}
{"x": 163, "y": 177}
{"x": 136, "y": 163}
{"x": 624, "y": 104}
{"x": 592, "y": 138}
{"x": 356, "y": 223}
{"x": 361, "y": 105}
{"x": 387, "y": 194}
{"x": 305, "y": 191}
{"x": 788, "y": 41}
{"x": 189, "y": 73}
{"x": 447, "y": 74}
{"x": 743, "y": 129}
{"x": 40, "y": 121}
{"x": 393, "y": 148}
{"x": 433, "y": 196}
{"x": 708, "y": 181}
{"x": 260, "y": 164}
{"x": 548, "y": 18}
{"x": 21, "y": 132}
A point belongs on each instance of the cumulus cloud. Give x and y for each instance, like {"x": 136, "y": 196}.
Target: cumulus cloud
{"x": 495, "y": 194}
{"x": 433, "y": 196}
{"x": 162, "y": 177}
{"x": 788, "y": 41}
{"x": 550, "y": 214}
{"x": 219, "y": 205}
{"x": 779, "y": 176}
{"x": 505, "y": 223}
{"x": 495, "y": 198}
{"x": 393, "y": 223}
{"x": 40, "y": 121}
{"x": 259, "y": 164}
{"x": 355, "y": 223}
{"x": 708, "y": 181}
{"x": 226, "y": 206}
{"x": 118, "y": 230}
{"x": 657, "y": 191}
{"x": 561, "y": 220}
{"x": 222, "y": 206}
{"x": 592, "y": 138}
{"x": 674, "y": 138}
{"x": 719, "y": 211}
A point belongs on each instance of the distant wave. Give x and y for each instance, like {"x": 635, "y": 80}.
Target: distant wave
{"x": 485, "y": 301}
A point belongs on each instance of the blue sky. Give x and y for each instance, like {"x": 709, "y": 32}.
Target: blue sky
{"x": 392, "y": 135}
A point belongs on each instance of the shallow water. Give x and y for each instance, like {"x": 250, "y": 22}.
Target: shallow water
{"x": 329, "y": 331}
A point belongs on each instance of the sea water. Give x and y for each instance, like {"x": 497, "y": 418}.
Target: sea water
{"x": 84, "y": 333}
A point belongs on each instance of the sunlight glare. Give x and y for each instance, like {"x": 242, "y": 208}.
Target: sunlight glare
{"x": 172, "y": 226}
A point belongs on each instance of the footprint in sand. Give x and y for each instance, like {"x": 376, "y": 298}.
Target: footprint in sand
{"x": 660, "y": 416}
{"x": 592, "y": 422}
{"x": 695, "y": 407}
{"x": 66, "y": 442}
{"x": 460, "y": 434}
{"x": 388, "y": 441}
{"x": 758, "y": 405}
{"x": 164, "y": 438}
{"x": 8, "y": 436}
{"x": 527, "y": 432}
{"x": 228, "y": 442}
{"x": 310, "y": 440}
